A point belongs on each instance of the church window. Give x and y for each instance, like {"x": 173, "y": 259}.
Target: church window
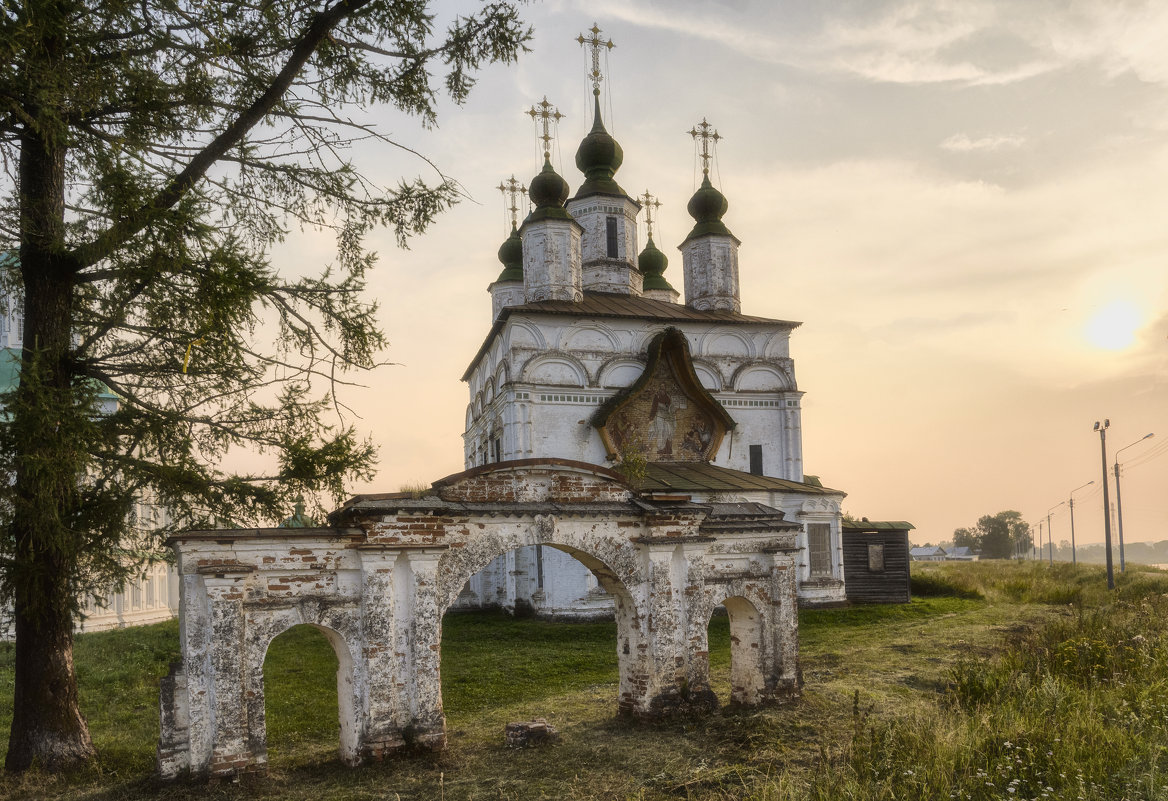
{"x": 611, "y": 229}
{"x": 495, "y": 449}
{"x": 756, "y": 460}
{"x": 876, "y": 557}
{"x": 819, "y": 548}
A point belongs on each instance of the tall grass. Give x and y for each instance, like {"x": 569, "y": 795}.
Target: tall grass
{"x": 1076, "y": 708}
{"x": 999, "y": 680}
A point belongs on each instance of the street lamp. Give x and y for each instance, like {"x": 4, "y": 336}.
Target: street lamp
{"x": 1118, "y": 501}
{"x": 1102, "y": 429}
{"x": 1050, "y": 531}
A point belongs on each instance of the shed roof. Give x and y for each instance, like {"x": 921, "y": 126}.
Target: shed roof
{"x": 863, "y": 526}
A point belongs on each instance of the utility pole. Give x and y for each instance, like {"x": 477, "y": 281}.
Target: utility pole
{"x": 1050, "y": 532}
{"x": 1071, "y": 503}
{"x": 1118, "y": 501}
{"x": 1102, "y": 429}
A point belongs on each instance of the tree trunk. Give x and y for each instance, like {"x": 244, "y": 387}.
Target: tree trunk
{"x": 47, "y": 726}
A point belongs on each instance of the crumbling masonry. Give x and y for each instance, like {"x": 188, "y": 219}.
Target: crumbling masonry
{"x": 378, "y": 581}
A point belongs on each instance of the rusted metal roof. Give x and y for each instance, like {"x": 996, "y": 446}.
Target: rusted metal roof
{"x": 609, "y": 304}
{"x": 702, "y": 477}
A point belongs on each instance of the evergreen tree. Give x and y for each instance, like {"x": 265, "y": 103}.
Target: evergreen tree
{"x": 154, "y": 152}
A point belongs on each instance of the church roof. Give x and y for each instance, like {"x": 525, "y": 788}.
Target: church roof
{"x": 608, "y": 304}
{"x": 703, "y": 477}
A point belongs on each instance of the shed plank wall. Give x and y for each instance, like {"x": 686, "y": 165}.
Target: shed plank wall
{"x": 864, "y": 586}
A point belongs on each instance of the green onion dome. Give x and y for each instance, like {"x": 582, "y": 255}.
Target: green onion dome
{"x": 599, "y": 157}
{"x": 707, "y": 207}
{"x": 548, "y": 191}
{"x": 652, "y": 263}
{"x": 511, "y": 255}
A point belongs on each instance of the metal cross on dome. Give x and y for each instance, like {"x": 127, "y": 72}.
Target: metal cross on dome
{"x": 707, "y": 135}
{"x": 546, "y": 113}
{"x": 594, "y": 43}
{"x": 651, "y": 204}
{"x": 512, "y": 190}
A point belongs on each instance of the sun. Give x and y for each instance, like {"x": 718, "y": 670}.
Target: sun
{"x": 1114, "y": 326}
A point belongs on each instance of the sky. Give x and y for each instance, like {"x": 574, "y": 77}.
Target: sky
{"x": 965, "y": 203}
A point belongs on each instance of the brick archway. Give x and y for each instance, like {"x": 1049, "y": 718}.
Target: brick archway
{"x": 382, "y": 575}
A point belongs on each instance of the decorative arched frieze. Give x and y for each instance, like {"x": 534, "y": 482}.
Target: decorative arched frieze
{"x": 619, "y": 372}
{"x": 725, "y": 342}
{"x": 760, "y": 377}
{"x": 778, "y": 346}
{"x": 502, "y": 374}
{"x": 523, "y": 334}
{"x": 708, "y": 374}
{"x": 820, "y": 506}
{"x": 556, "y": 369}
{"x": 589, "y": 336}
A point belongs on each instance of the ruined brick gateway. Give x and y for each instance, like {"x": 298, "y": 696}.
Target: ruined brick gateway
{"x": 378, "y": 580}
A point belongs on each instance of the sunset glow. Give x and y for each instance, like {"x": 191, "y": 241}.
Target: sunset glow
{"x": 963, "y": 203}
{"x": 1114, "y": 326}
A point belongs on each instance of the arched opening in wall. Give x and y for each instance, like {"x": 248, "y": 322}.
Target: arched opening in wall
{"x": 734, "y": 639}
{"x": 544, "y": 636}
{"x": 308, "y": 697}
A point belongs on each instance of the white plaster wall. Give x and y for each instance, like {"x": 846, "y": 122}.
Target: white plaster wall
{"x": 543, "y": 357}
{"x": 747, "y": 367}
{"x": 710, "y": 267}
{"x": 592, "y": 213}
{"x": 504, "y": 294}
{"x": 551, "y": 260}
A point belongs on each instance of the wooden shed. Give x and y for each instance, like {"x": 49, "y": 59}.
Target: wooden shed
{"x": 876, "y": 561}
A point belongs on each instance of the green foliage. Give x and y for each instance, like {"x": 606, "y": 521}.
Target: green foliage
{"x": 154, "y": 153}
{"x": 185, "y": 141}
{"x": 632, "y": 462}
{"x": 932, "y": 583}
{"x": 999, "y": 536}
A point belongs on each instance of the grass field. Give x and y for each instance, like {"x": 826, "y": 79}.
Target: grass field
{"x": 998, "y": 681}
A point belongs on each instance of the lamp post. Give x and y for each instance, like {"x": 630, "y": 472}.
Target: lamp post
{"x": 1119, "y": 501}
{"x": 1050, "y": 531}
{"x": 1102, "y": 429}
{"x": 1071, "y": 503}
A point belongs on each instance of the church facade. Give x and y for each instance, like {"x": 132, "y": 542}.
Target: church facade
{"x": 628, "y": 453}
{"x": 593, "y": 356}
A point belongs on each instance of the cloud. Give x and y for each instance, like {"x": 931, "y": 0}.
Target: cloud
{"x": 961, "y": 143}
{"x": 912, "y": 42}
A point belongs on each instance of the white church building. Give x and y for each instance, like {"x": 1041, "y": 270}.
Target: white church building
{"x": 592, "y": 356}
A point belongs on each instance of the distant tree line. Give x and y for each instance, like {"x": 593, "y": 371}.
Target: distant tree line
{"x": 1001, "y": 536}
{"x": 1143, "y": 553}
